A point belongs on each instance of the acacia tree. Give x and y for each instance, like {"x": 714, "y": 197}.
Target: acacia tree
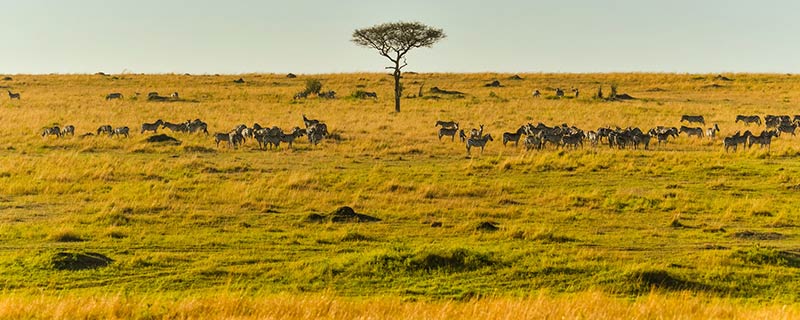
{"x": 393, "y": 41}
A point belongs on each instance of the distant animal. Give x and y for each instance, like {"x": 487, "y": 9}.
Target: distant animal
{"x": 240, "y": 80}
{"x": 124, "y": 131}
{"x": 559, "y": 92}
{"x": 113, "y": 95}
{"x": 446, "y": 124}
{"x": 576, "y": 91}
{"x": 787, "y": 128}
{"x": 107, "y": 129}
{"x": 175, "y": 127}
{"x": 289, "y": 138}
{"x": 513, "y": 136}
{"x": 301, "y": 95}
{"x": 448, "y": 131}
{"x": 749, "y": 119}
{"x": 309, "y": 122}
{"x": 152, "y": 126}
{"x": 733, "y": 141}
{"x": 764, "y": 139}
{"x": 475, "y": 133}
{"x": 327, "y": 94}
{"x": 711, "y": 133}
{"x": 690, "y": 119}
{"x": 12, "y": 95}
{"x": 536, "y": 93}
{"x": 462, "y": 136}
{"x": 692, "y": 131}
{"x": 54, "y": 131}
{"x": 533, "y": 142}
{"x": 68, "y": 130}
{"x": 478, "y": 142}
{"x": 174, "y": 96}
{"x": 219, "y": 137}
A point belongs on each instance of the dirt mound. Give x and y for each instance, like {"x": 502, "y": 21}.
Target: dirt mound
{"x": 515, "y": 77}
{"x": 720, "y": 77}
{"x": 291, "y": 75}
{"x": 713, "y": 86}
{"x": 752, "y": 235}
{"x": 7, "y": 79}
{"x": 487, "y": 226}
{"x": 624, "y": 96}
{"x": 442, "y": 91}
{"x": 163, "y": 138}
{"x": 240, "y": 80}
{"x": 495, "y": 84}
{"x": 436, "y": 224}
{"x": 341, "y": 215}
{"x": 79, "y": 261}
{"x": 655, "y": 90}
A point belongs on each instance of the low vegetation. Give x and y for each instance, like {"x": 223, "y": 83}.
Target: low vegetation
{"x": 384, "y": 220}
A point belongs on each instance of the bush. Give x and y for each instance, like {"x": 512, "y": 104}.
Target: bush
{"x": 313, "y": 86}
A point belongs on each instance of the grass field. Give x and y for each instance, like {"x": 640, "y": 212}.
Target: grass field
{"x": 682, "y": 230}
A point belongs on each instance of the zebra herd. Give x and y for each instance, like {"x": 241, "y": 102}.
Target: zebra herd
{"x": 540, "y": 136}
{"x": 266, "y": 137}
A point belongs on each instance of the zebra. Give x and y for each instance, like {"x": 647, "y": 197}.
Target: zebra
{"x": 236, "y": 139}
{"x": 300, "y": 95}
{"x": 448, "y": 132}
{"x": 575, "y": 90}
{"x": 536, "y": 93}
{"x": 152, "y": 126}
{"x": 765, "y": 138}
{"x": 327, "y": 95}
{"x": 315, "y": 136}
{"x": 107, "y": 129}
{"x": 661, "y": 137}
{"x": 559, "y": 92}
{"x": 643, "y": 139}
{"x": 733, "y": 141}
{"x": 309, "y": 122}
{"x": 319, "y": 127}
{"x": 690, "y": 119}
{"x": 68, "y": 130}
{"x": 475, "y": 133}
{"x": 749, "y": 119}
{"x": 462, "y": 136}
{"x": 478, "y": 142}
{"x": 54, "y": 131}
{"x": 124, "y": 131}
{"x": 175, "y": 127}
{"x": 12, "y": 95}
{"x": 573, "y": 140}
{"x": 692, "y": 131}
{"x": 197, "y": 126}
{"x": 174, "y": 96}
{"x": 711, "y": 133}
{"x": 509, "y": 136}
{"x": 289, "y": 138}
{"x": 113, "y": 95}
{"x": 533, "y": 142}
{"x": 787, "y": 128}
{"x": 446, "y": 124}
{"x": 219, "y": 137}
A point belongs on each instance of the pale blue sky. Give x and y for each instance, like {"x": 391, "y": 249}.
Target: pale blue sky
{"x": 305, "y": 36}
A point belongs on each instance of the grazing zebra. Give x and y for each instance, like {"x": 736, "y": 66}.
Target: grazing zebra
{"x": 300, "y": 95}
{"x": 152, "y": 126}
{"x": 764, "y": 139}
{"x": 478, "y": 142}
{"x": 68, "y": 130}
{"x": 509, "y": 136}
{"x": 551, "y": 137}
{"x": 749, "y": 119}
{"x": 113, "y": 95}
{"x": 573, "y": 140}
{"x": 219, "y": 137}
{"x": 327, "y": 95}
{"x": 309, "y": 122}
{"x": 711, "y": 133}
{"x": 174, "y": 96}
{"x": 175, "y": 127}
{"x": 690, "y": 119}
{"x": 315, "y": 136}
{"x": 12, "y": 95}
{"x": 197, "y": 126}
{"x": 692, "y": 131}
{"x": 124, "y": 131}
{"x": 475, "y": 133}
{"x": 289, "y": 138}
{"x": 462, "y": 136}
{"x": 54, "y": 131}
{"x": 787, "y": 128}
{"x": 448, "y": 132}
{"x": 107, "y": 129}
{"x": 446, "y": 124}
{"x": 559, "y": 92}
{"x": 319, "y": 127}
{"x": 536, "y": 93}
{"x": 533, "y": 142}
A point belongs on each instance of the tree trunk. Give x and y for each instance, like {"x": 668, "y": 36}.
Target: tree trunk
{"x": 398, "y": 91}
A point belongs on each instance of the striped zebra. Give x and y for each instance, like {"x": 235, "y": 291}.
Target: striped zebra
{"x": 236, "y": 139}
{"x": 152, "y": 126}
{"x": 107, "y": 129}
{"x": 691, "y": 119}
{"x": 787, "y": 128}
{"x": 533, "y": 142}
{"x": 574, "y": 140}
{"x": 219, "y": 137}
{"x": 174, "y": 96}
{"x": 513, "y": 136}
{"x": 315, "y": 136}
{"x": 113, "y": 95}
{"x": 446, "y": 124}
{"x": 289, "y": 138}
{"x": 475, "y": 133}
{"x": 327, "y": 94}
{"x": 451, "y": 132}
{"x": 462, "y": 136}
{"x": 54, "y": 131}
{"x": 748, "y": 119}
{"x": 692, "y": 131}
{"x": 711, "y": 133}
{"x": 197, "y": 126}
{"x": 764, "y": 139}
{"x": 175, "y": 127}
{"x": 68, "y": 130}
{"x": 733, "y": 141}
{"x": 559, "y": 92}
{"x": 12, "y": 95}
{"x": 478, "y": 142}
{"x": 124, "y": 131}
{"x": 309, "y": 122}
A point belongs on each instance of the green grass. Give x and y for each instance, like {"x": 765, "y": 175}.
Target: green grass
{"x": 194, "y": 219}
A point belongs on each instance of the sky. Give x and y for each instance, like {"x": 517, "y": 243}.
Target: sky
{"x": 308, "y": 36}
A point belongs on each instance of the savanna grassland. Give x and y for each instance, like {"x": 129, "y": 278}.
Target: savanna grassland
{"x": 684, "y": 230}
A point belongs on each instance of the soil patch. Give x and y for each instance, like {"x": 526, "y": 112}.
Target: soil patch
{"x": 163, "y": 138}
{"x": 752, "y": 235}
{"x": 495, "y": 84}
{"x": 79, "y": 261}
{"x": 487, "y": 226}
{"x": 442, "y": 91}
{"x": 515, "y": 77}
{"x": 341, "y": 215}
